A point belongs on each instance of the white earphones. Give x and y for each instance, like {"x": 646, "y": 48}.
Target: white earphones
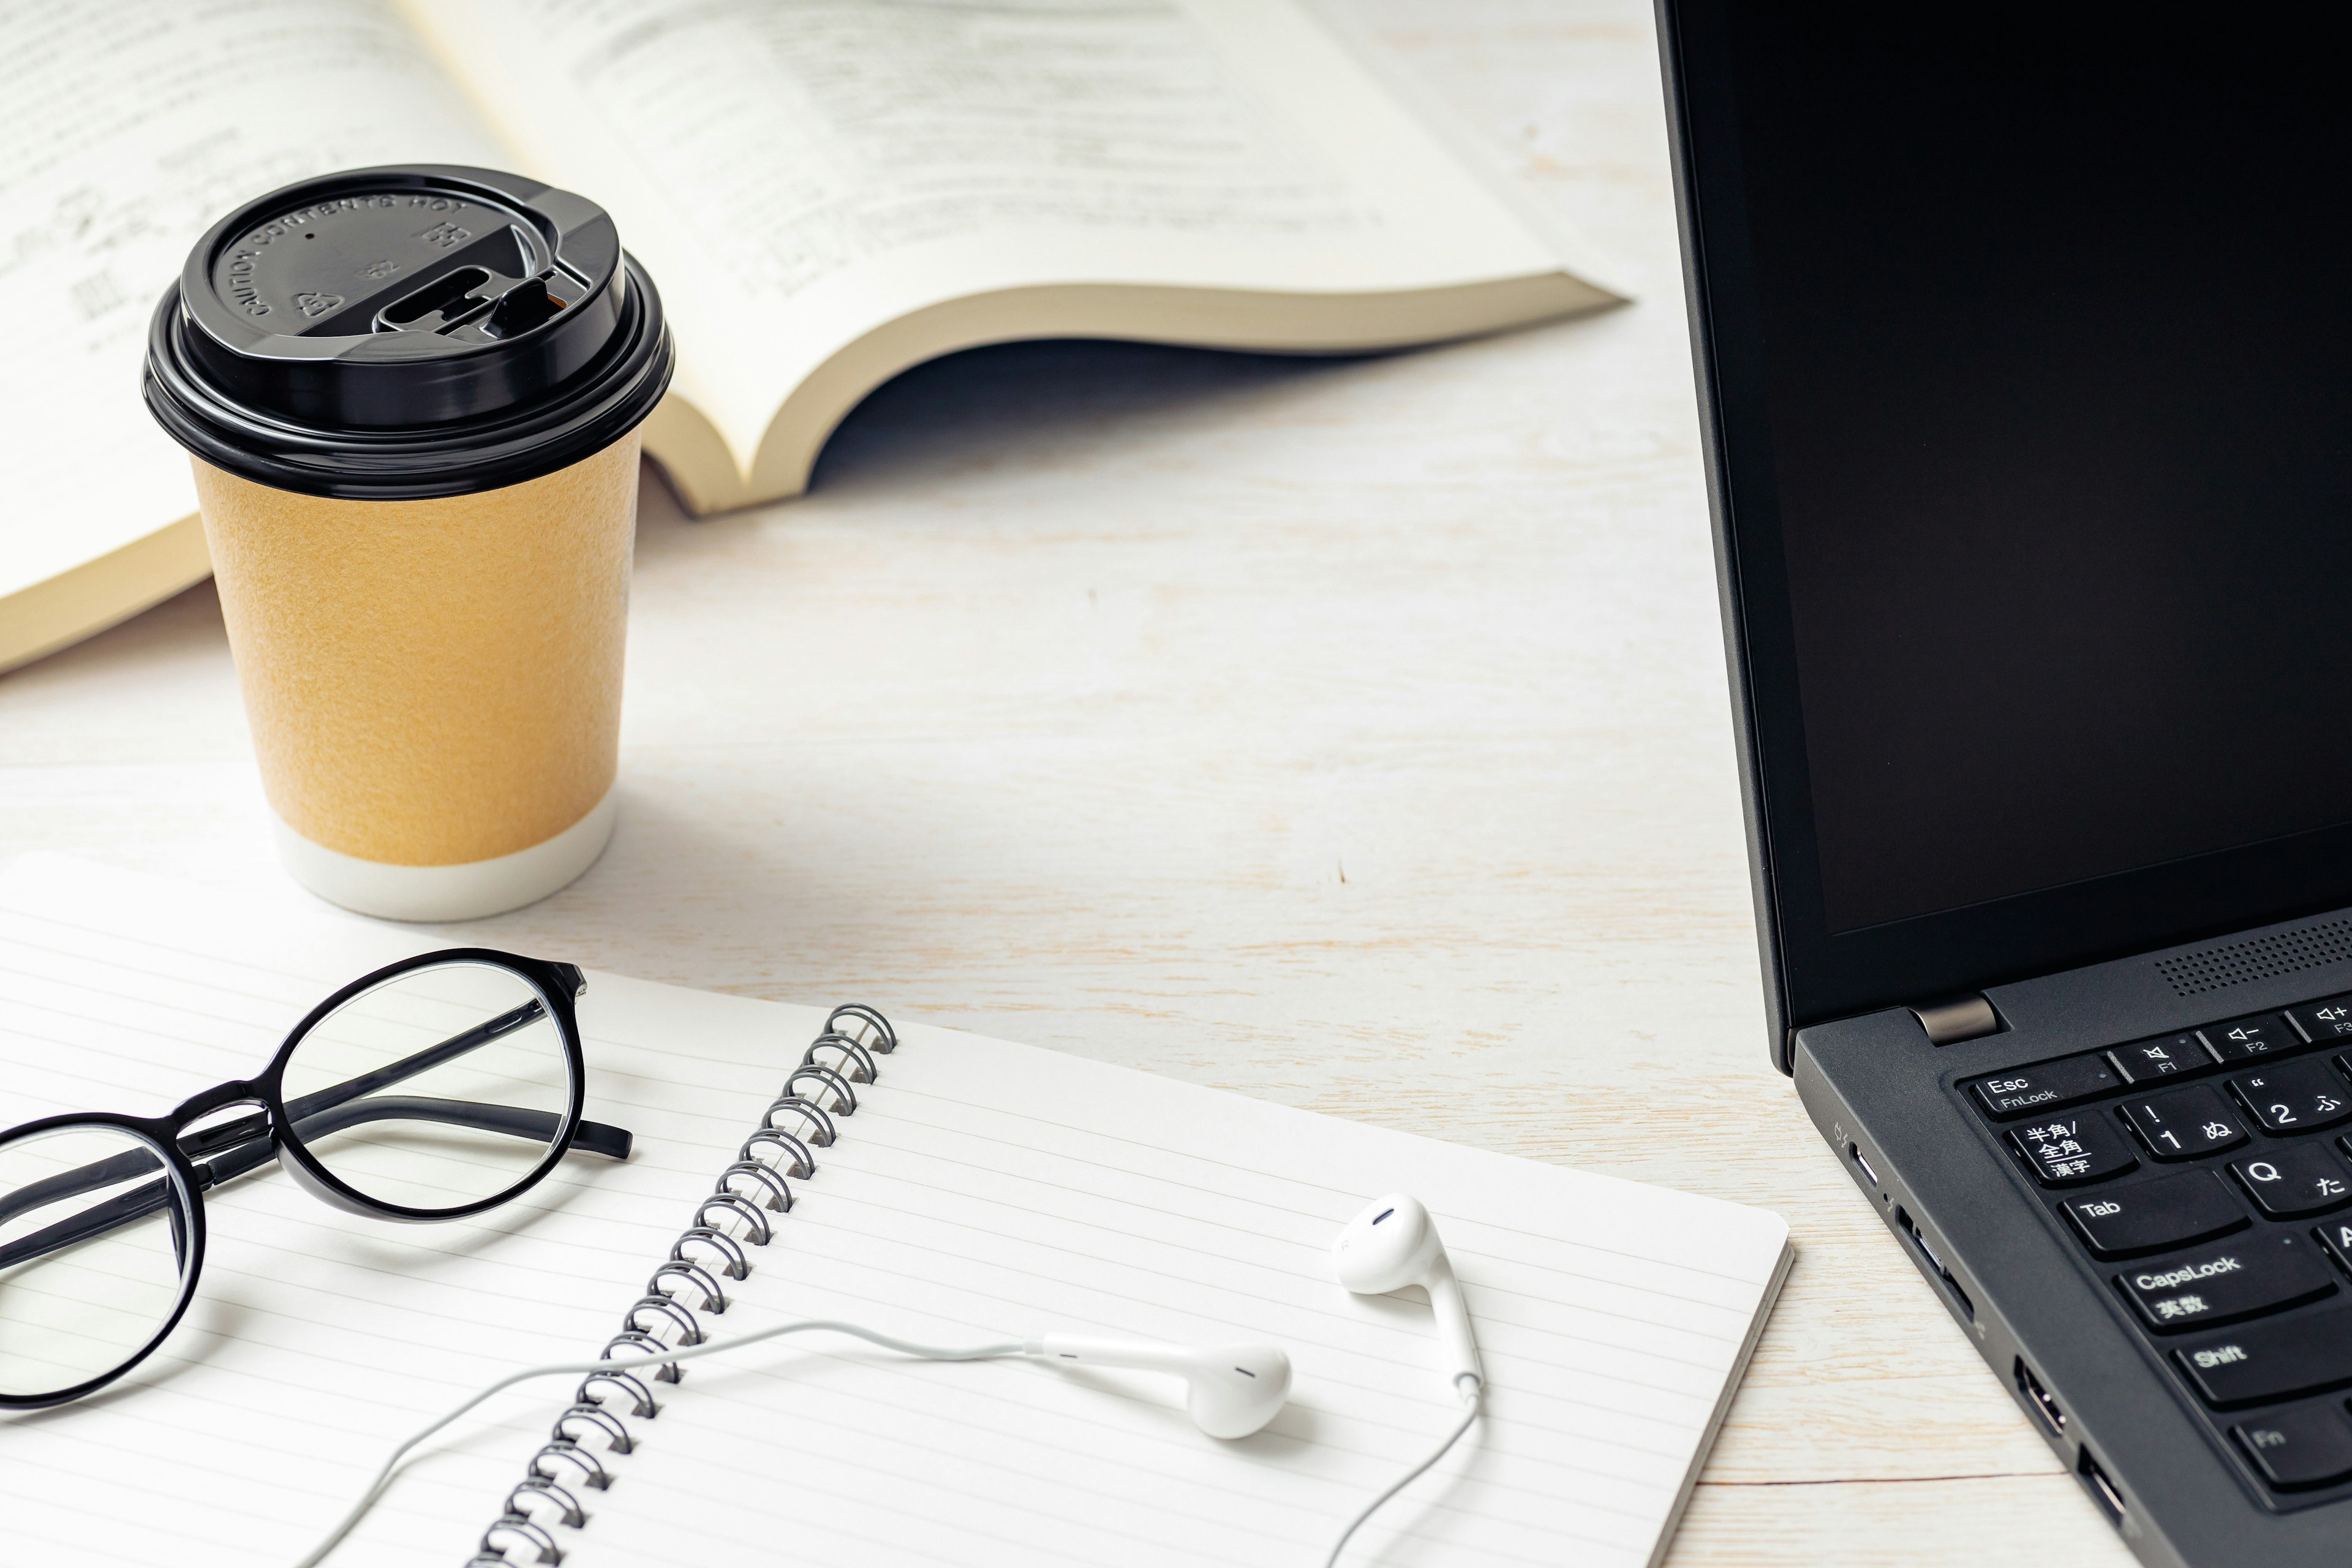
{"x": 1390, "y": 1246}
{"x": 1231, "y": 1391}
{"x": 1394, "y": 1244}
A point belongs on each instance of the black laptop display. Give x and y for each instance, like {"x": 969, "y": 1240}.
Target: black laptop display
{"x": 2025, "y": 338}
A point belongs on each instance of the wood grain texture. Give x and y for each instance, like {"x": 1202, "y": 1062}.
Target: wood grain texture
{"x": 1351, "y": 733}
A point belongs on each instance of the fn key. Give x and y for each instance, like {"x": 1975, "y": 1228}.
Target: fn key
{"x": 2301, "y": 1445}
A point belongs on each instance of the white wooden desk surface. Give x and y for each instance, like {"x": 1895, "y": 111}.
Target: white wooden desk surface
{"x": 1351, "y": 733}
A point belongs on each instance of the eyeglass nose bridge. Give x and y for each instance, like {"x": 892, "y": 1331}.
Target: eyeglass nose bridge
{"x": 220, "y": 1097}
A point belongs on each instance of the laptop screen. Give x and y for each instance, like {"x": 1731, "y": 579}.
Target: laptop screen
{"x": 2035, "y": 342}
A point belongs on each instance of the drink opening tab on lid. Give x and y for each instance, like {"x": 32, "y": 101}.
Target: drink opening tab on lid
{"x": 406, "y": 333}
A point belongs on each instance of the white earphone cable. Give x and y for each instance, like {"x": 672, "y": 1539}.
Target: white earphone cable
{"x": 640, "y": 1363}
{"x": 1474, "y": 1392}
{"x": 383, "y": 1480}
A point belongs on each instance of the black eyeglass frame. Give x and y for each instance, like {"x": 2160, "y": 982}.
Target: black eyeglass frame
{"x": 199, "y": 1162}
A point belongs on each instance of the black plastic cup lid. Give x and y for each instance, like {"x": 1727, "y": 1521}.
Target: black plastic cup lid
{"x": 407, "y": 331}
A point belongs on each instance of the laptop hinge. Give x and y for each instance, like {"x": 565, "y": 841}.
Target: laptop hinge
{"x": 1958, "y": 1018}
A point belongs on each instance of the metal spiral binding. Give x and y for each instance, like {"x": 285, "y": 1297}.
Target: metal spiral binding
{"x": 686, "y": 1287}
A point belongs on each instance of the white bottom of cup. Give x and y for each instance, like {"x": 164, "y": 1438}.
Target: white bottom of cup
{"x": 461, "y": 893}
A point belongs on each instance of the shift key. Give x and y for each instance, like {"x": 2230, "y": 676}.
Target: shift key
{"x": 2268, "y": 1361}
{"x": 2155, "y": 1217}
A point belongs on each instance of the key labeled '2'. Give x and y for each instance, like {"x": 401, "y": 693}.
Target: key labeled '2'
{"x": 2294, "y": 1097}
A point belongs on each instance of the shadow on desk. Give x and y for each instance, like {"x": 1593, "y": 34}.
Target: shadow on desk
{"x": 1033, "y": 402}
{"x": 1028, "y": 403}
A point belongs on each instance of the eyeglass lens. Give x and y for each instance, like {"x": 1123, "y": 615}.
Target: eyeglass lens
{"x": 441, "y": 1086}
{"x": 94, "y": 1255}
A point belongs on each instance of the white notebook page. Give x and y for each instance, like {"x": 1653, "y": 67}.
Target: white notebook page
{"x": 981, "y": 1189}
{"x": 318, "y": 1339}
{"x": 985, "y": 1188}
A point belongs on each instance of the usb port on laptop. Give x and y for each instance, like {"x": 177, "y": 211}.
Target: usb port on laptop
{"x": 2103, "y": 1490}
{"x": 2037, "y": 1400}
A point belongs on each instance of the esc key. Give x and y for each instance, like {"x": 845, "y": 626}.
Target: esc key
{"x": 2045, "y": 1086}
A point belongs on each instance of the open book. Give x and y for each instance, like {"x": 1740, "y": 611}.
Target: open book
{"x": 826, "y": 193}
{"x": 979, "y": 1190}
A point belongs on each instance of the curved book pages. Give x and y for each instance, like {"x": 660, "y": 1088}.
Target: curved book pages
{"x": 793, "y": 1164}
{"x": 825, "y": 194}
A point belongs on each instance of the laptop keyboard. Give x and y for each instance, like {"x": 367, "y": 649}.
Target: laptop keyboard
{"x": 2206, "y": 1175}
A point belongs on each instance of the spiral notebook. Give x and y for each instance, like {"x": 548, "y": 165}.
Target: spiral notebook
{"x": 977, "y": 1189}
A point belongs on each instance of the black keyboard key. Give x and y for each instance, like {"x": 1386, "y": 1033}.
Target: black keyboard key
{"x": 2152, "y": 1216}
{"x": 2185, "y": 1124}
{"x": 2045, "y": 1086}
{"x": 2242, "y": 1038}
{"x": 2325, "y": 1020}
{"x": 2295, "y": 1180}
{"x": 2065, "y": 1150}
{"x": 2336, "y": 1236}
{"x": 2302, "y": 1445}
{"x": 2265, "y": 1272}
{"x": 2170, "y": 1055}
{"x": 2294, "y": 1097}
{"x": 2260, "y": 1362}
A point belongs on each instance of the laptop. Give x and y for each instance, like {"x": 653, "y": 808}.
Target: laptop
{"x": 2024, "y": 347}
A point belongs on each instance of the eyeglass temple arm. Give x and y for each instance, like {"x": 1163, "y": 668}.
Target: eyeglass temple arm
{"x": 431, "y": 1057}
{"x": 235, "y": 1134}
{"x": 117, "y": 1211}
{"x": 80, "y": 1179}
{"x": 235, "y": 1137}
{"x": 588, "y": 1137}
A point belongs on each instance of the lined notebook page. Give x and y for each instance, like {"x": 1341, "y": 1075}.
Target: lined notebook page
{"x": 985, "y": 1188}
{"x": 981, "y": 1189}
{"x": 317, "y": 1337}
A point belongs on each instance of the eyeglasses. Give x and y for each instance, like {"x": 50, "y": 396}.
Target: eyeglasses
{"x": 102, "y": 1221}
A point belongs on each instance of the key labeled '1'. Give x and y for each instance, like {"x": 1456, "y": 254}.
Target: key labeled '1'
{"x": 2185, "y": 1124}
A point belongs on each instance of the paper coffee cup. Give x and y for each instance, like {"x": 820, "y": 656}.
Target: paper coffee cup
{"x": 412, "y": 397}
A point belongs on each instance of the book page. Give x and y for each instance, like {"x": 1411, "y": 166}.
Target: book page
{"x": 128, "y": 128}
{"x": 796, "y": 176}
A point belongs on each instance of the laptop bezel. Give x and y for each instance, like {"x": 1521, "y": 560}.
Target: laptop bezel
{"x": 1811, "y": 973}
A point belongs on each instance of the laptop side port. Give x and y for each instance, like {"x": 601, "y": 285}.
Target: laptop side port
{"x": 2046, "y": 1412}
{"x": 2103, "y": 1490}
{"x": 1854, "y": 1152}
{"x": 1919, "y": 1238}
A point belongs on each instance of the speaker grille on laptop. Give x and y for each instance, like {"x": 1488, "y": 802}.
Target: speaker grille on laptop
{"x": 2236, "y": 962}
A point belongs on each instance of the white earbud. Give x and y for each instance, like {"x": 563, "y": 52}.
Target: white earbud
{"x": 1393, "y": 1244}
{"x": 1231, "y": 1391}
